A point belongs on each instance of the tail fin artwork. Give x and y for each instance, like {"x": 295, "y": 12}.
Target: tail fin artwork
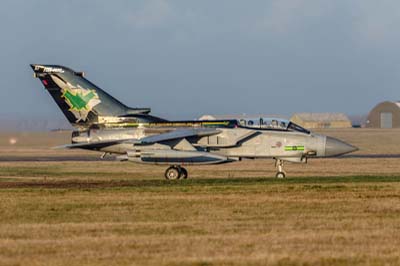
{"x": 82, "y": 102}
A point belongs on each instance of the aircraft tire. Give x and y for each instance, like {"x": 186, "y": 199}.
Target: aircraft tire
{"x": 172, "y": 173}
{"x": 280, "y": 175}
{"x": 184, "y": 173}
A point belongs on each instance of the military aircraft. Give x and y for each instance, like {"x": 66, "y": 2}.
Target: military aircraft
{"x": 105, "y": 124}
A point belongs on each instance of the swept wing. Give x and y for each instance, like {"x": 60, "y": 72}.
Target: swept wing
{"x": 169, "y": 136}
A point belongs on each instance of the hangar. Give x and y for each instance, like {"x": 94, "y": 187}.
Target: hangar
{"x": 321, "y": 120}
{"x": 384, "y": 115}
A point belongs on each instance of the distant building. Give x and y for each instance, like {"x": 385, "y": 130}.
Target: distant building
{"x": 321, "y": 120}
{"x": 384, "y": 115}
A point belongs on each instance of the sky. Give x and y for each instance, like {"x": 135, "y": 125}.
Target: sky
{"x": 185, "y": 58}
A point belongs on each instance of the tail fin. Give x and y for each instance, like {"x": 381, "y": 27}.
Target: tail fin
{"x": 82, "y": 102}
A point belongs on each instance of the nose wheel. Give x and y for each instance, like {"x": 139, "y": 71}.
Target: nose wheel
{"x": 279, "y": 166}
{"x": 176, "y": 172}
{"x": 280, "y": 175}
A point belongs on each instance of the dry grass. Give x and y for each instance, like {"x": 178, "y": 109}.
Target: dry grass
{"x": 331, "y": 212}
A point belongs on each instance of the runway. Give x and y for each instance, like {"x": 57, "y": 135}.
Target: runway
{"x": 92, "y": 158}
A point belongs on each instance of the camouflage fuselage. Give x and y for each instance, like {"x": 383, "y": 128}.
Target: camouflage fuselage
{"x": 232, "y": 143}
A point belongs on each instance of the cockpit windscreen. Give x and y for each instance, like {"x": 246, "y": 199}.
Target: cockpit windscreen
{"x": 295, "y": 127}
{"x": 273, "y": 124}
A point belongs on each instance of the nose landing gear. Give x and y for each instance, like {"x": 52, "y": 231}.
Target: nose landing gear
{"x": 279, "y": 166}
{"x": 176, "y": 172}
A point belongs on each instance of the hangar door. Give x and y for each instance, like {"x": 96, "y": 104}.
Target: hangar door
{"x": 386, "y": 120}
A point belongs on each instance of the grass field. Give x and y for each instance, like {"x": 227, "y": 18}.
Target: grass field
{"x": 329, "y": 212}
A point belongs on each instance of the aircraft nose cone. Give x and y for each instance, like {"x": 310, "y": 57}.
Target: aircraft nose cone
{"x": 335, "y": 147}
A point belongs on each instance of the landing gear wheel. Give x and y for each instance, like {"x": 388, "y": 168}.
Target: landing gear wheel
{"x": 172, "y": 173}
{"x": 184, "y": 173}
{"x": 279, "y": 166}
{"x": 280, "y": 175}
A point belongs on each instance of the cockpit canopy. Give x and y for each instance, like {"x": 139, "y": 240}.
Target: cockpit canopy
{"x": 272, "y": 124}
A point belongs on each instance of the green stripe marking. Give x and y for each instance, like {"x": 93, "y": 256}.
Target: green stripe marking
{"x": 294, "y": 148}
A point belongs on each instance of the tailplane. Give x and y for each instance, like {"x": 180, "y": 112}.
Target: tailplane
{"x": 82, "y": 102}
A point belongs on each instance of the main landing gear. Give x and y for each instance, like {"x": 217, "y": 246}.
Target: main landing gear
{"x": 176, "y": 172}
{"x": 279, "y": 166}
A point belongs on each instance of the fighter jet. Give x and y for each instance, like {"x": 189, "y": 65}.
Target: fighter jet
{"x": 106, "y": 125}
